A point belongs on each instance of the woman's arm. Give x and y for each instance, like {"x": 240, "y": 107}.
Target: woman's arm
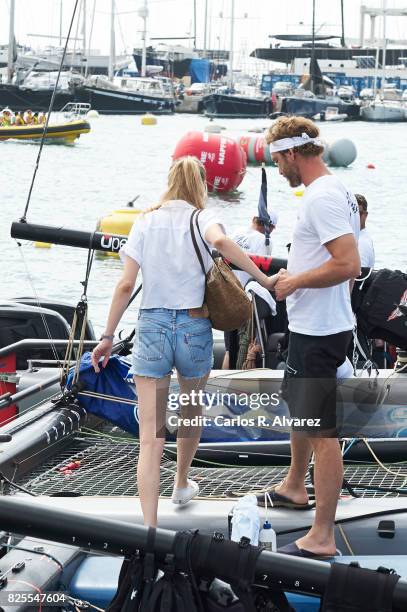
{"x": 231, "y": 251}
{"x": 121, "y": 297}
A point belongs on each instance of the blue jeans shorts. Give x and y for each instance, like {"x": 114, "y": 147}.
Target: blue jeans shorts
{"x": 172, "y": 338}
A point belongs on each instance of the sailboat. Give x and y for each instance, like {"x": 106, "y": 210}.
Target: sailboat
{"x": 63, "y": 470}
{"x": 382, "y": 108}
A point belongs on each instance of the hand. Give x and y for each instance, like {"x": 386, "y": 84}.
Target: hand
{"x": 103, "y": 349}
{"x": 269, "y": 282}
{"x": 285, "y": 285}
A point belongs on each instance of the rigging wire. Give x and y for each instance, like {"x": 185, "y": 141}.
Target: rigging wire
{"x": 51, "y": 106}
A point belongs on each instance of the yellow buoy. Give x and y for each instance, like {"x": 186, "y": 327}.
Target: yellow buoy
{"x": 148, "y": 119}
{"x": 118, "y": 222}
{"x": 299, "y": 193}
{"x": 42, "y": 245}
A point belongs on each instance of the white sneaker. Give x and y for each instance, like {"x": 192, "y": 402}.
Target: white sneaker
{"x": 183, "y": 496}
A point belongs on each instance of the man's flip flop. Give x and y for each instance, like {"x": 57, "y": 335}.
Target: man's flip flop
{"x": 295, "y": 551}
{"x": 281, "y": 501}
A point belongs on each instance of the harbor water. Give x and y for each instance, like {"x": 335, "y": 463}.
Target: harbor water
{"x": 120, "y": 158}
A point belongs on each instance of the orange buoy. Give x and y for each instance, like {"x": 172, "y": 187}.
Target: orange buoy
{"x": 224, "y": 160}
{"x": 256, "y": 149}
{"x": 371, "y": 166}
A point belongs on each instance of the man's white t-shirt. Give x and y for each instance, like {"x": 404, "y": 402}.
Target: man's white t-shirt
{"x": 160, "y": 242}
{"x": 328, "y": 211}
{"x": 253, "y": 242}
{"x": 366, "y": 249}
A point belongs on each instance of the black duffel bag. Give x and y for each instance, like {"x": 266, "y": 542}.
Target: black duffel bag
{"x": 382, "y": 309}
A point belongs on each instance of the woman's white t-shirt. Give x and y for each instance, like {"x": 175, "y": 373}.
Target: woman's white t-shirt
{"x": 160, "y": 242}
{"x": 328, "y": 211}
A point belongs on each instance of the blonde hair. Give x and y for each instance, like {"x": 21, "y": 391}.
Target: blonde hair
{"x": 186, "y": 181}
{"x": 287, "y": 127}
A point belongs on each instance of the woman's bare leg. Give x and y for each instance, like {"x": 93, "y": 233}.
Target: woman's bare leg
{"x": 188, "y": 437}
{"x": 152, "y": 396}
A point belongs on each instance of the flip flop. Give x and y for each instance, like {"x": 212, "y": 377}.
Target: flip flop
{"x": 281, "y": 501}
{"x": 295, "y": 551}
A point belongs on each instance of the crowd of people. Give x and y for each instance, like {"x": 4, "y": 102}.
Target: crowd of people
{"x": 9, "y": 118}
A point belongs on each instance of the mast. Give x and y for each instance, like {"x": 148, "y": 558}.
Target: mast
{"x": 312, "y": 48}
{"x": 343, "y": 25}
{"x": 84, "y": 28}
{"x": 232, "y": 28}
{"x": 384, "y": 44}
{"x": 60, "y": 23}
{"x": 10, "y": 50}
{"x": 205, "y": 29}
{"x": 194, "y": 25}
{"x": 112, "y": 43}
{"x": 143, "y": 13}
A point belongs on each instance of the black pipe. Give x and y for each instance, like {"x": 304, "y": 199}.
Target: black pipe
{"x": 110, "y": 243}
{"x": 79, "y": 529}
{"x": 107, "y": 243}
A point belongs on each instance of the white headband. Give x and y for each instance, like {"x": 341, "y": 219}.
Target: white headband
{"x": 296, "y": 141}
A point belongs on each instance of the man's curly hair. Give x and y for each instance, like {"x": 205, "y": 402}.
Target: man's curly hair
{"x": 287, "y": 127}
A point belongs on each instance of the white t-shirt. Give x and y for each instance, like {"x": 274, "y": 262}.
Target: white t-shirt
{"x": 253, "y": 242}
{"x": 328, "y": 211}
{"x": 160, "y": 242}
{"x": 366, "y": 249}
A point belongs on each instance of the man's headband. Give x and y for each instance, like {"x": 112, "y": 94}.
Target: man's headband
{"x": 296, "y": 141}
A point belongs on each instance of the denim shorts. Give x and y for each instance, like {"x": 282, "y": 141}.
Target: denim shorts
{"x": 167, "y": 339}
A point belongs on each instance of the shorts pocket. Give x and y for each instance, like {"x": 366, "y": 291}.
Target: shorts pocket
{"x": 200, "y": 345}
{"x": 150, "y": 344}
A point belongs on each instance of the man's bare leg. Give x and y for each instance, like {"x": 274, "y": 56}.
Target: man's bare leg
{"x": 328, "y": 477}
{"x": 293, "y": 485}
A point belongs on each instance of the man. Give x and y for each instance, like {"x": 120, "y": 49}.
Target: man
{"x": 366, "y": 248}
{"x": 323, "y": 259}
{"x": 254, "y": 240}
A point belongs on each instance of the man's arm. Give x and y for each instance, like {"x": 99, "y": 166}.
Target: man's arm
{"x": 343, "y": 265}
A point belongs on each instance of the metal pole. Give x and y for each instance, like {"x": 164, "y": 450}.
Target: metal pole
{"x": 10, "y": 58}
{"x": 384, "y": 43}
{"x": 60, "y": 23}
{"x": 144, "y": 14}
{"x": 313, "y": 46}
{"x": 232, "y": 28}
{"x": 343, "y": 25}
{"x": 205, "y": 29}
{"x": 112, "y": 43}
{"x": 84, "y": 29}
{"x": 194, "y": 24}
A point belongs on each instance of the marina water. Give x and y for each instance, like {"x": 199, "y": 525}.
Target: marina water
{"x": 120, "y": 158}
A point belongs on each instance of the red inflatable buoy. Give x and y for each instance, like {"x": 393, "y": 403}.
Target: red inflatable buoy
{"x": 224, "y": 160}
{"x": 371, "y": 166}
{"x": 256, "y": 149}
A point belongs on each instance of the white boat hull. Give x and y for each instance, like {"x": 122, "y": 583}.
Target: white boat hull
{"x": 383, "y": 112}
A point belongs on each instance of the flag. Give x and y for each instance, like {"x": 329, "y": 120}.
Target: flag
{"x": 262, "y": 208}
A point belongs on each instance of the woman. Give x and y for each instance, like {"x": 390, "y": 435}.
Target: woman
{"x": 172, "y": 329}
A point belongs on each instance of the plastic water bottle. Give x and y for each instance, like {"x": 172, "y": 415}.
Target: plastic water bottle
{"x": 246, "y": 520}
{"x": 267, "y": 537}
